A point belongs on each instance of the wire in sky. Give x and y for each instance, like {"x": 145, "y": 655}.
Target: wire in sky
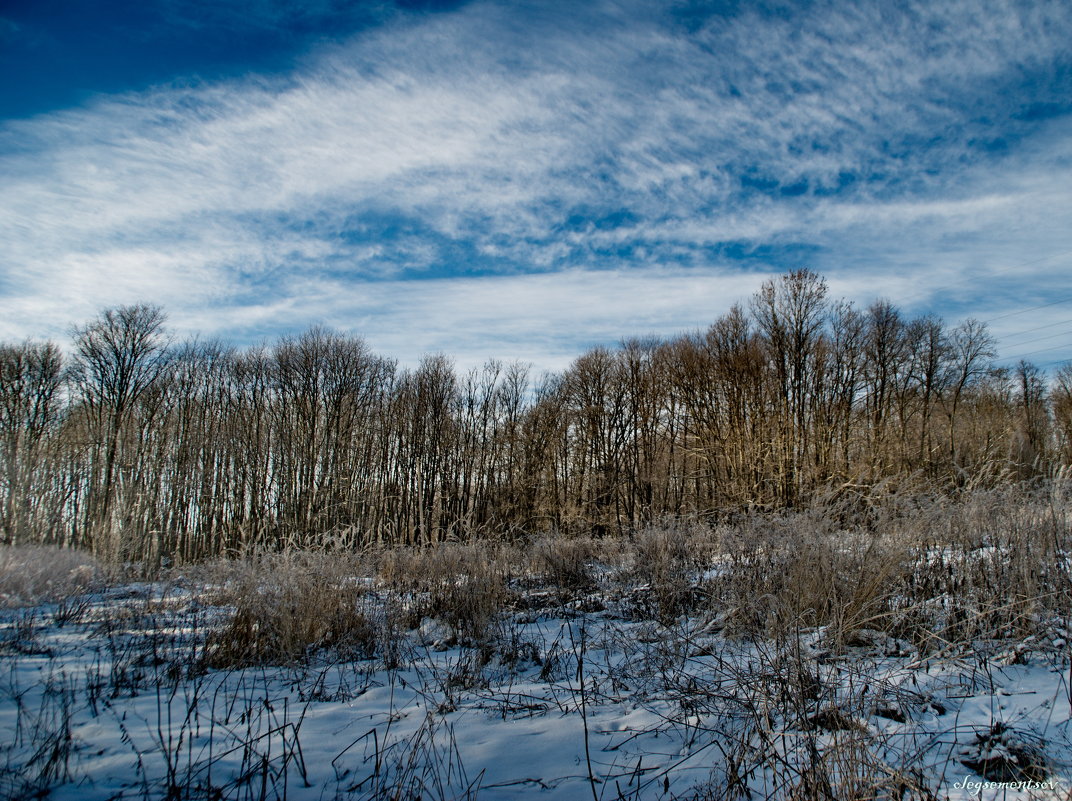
{"x": 1067, "y": 345}
{"x": 1038, "y": 328}
{"x": 1001, "y": 271}
{"x": 1025, "y": 311}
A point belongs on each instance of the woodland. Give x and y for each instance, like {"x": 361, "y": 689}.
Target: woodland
{"x": 138, "y": 447}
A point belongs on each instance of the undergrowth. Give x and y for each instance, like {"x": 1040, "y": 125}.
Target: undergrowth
{"x": 787, "y": 617}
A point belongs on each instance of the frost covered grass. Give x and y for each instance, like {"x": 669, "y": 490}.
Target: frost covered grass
{"x": 31, "y": 574}
{"x": 912, "y": 648}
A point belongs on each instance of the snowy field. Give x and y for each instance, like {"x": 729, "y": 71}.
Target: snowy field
{"x": 589, "y": 693}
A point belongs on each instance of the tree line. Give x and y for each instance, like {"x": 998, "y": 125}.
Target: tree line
{"x": 138, "y": 447}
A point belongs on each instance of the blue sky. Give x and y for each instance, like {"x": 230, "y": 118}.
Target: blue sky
{"x": 523, "y": 180}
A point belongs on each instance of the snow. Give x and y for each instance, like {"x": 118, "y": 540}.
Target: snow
{"x": 108, "y": 701}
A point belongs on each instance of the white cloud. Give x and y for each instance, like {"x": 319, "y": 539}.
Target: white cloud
{"x": 248, "y": 203}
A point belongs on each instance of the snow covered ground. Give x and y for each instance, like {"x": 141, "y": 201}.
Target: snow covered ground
{"x": 577, "y": 696}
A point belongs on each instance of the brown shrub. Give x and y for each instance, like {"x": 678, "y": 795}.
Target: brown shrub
{"x": 34, "y": 574}
{"x": 288, "y": 607}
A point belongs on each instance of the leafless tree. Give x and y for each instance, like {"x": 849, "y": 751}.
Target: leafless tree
{"x": 30, "y": 410}
{"x": 117, "y": 359}
{"x": 790, "y": 313}
{"x": 971, "y": 347}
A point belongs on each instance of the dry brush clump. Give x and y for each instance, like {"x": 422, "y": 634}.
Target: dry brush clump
{"x": 34, "y": 574}
{"x": 778, "y": 575}
{"x": 464, "y": 586}
{"x": 990, "y": 564}
{"x": 568, "y": 563}
{"x": 287, "y": 607}
{"x": 667, "y": 565}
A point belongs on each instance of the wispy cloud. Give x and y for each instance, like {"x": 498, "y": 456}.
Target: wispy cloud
{"x": 483, "y": 175}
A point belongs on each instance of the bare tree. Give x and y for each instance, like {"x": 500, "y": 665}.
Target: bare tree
{"x": 117, "y": 359}
{"x": 971, "y": 347}
{"x": 597, "y": 389}
{"x": 929, "y": 355}
{"x": 152, "y": 451}
{"x": 883, "y": 366}
{"x": 1062, "y": 410}
{"x": 839, "y": 389}
{"x": 30, "y": 384}
{"x": 1029, "y": 441}
{"x": 790, "y": 313}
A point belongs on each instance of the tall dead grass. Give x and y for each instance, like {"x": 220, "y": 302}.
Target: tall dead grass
{"x": 921, "y": 574}
{"x": 289, "y": 606}
{"x": 34, "y": 574}
{"x": 990, "y": 564}
{"x": 464, "y": 586}
{"x": 931, "y": 570}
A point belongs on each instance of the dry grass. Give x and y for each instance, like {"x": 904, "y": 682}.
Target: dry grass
{"x": 993, "y": 564}
{"x": 462, "y": 586}
{"x": 34, "y": 574}
{"x": 288, "y": 607}
{"x": 931, "y": 571}
{"x": 568, "y": 563}
{"x": 929, "y": 576}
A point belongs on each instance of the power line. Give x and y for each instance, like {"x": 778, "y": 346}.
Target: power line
{"x": 1001, "y": 271}
{"x": 1051, "y": 362}
{"x": 1025, "y": 311}
{"x": 1037, "y": 339}
{"x": 1067, "y": 345}
{"x": 1039, "y": 328}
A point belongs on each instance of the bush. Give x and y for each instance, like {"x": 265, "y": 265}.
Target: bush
{"x": 287, "y": 608}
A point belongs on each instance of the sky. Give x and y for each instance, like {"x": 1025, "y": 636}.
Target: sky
{"x": 526, "y": 180}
